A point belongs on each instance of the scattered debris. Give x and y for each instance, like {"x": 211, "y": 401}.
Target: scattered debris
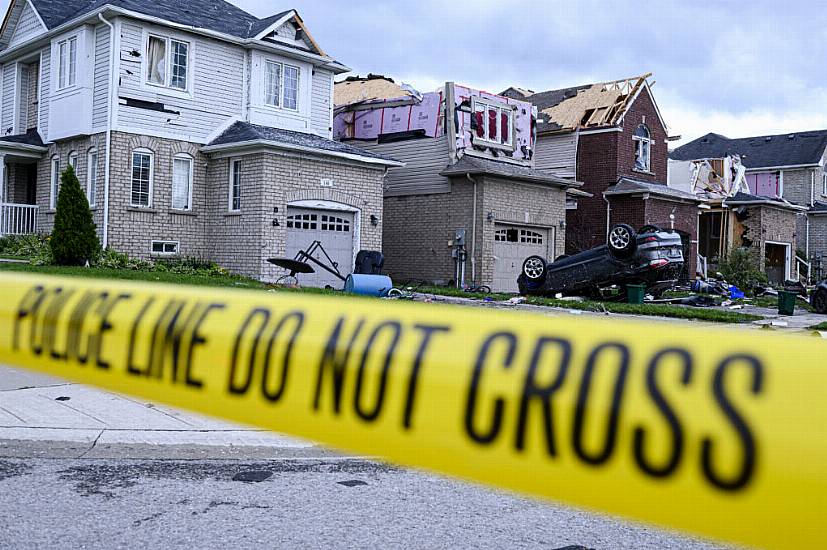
{"x": 777, "y": 323}
{"x": 252, "y": 476}
{"x": 62, "y": 398}
{"x": 352, "y": 483}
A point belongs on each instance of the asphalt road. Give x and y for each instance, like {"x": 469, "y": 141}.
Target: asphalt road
{"x": 338, "y": 503}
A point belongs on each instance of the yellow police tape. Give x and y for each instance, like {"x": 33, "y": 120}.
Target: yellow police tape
{"x": 715, "y": 431}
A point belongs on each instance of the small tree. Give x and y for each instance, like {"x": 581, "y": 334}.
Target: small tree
{"x": 74, "y": 240}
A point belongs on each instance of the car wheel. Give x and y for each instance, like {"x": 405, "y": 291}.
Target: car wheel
{"x": 621, "y": 240}
{"x": 534, "y": 268}
{"x": 819, "y": 301}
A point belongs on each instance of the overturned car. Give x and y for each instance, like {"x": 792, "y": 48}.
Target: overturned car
{"x": 651, "y": 256}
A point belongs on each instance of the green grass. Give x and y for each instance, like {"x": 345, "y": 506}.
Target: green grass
{"x": 820, "y": 326}
{"x": 134, "y": 275}
{"x": 653, "y": 310}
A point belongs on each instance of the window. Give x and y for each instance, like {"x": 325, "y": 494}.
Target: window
{"x": 824, "y": 184}
{"x": 55, "y": 182}
{"x": 164, "y": 248}
{"x": 182, "y": 182}
{"x": 67, "y": 63}
{"x": 303, "y": 221}
{"x": 514, "y": 235}
{"x": 235, "y": 185}
{"x": 73, "y": 162}
{"x": 643, "y": 146}
{"x": 281, "y": 85}
{"x": 334, "y": 223}
{"x": 493, "y": 123}
{"x": 167, "y": 62}
{"x": 91, "y": 175}
{"x": 141, "y": 178}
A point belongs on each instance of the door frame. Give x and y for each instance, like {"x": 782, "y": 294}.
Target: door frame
{"x": 333, "y": 206}
{"x": 787, "y": 257}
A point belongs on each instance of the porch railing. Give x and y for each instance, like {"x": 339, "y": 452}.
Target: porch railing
{"x": 18, "y": 219}
{"x": 804, "y": 275}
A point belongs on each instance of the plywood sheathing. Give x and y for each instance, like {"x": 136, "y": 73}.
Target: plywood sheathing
{"x": 350, "y": 92}
{"x": 602, "y": 104}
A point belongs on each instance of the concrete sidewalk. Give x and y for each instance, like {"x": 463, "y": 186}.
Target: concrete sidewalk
{"x": 42, "y": 417}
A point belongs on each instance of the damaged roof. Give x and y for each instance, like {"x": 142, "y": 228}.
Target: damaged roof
{"x": 629, "y": 186}
{"x": 32, "y": 137}
{"x": 243, "y": 133}
{"x": 801, "y": 148}
{"x": 371, "y": 88}
{"x": 741, "y": 198}
{"x": 215, "y": 15}
{"x": 477, "y": 166}
{"x": 587, "y": 106}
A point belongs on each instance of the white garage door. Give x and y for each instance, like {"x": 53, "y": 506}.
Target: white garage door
{"x": 512, "y": 245}
{"x": 334, "y": 230}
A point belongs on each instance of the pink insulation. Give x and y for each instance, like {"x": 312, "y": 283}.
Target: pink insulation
{"x": 764, "y": 184}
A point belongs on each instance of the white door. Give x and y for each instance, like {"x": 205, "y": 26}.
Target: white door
{"x": 334, "y": 230}
{"x": 512, "y": 245}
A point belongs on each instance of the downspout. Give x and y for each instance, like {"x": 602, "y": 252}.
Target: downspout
{"x": 473, "y": 232}
{"x": 608, "y": 215}
{"x": 114, "y": 47}
{"x": 807, "y": 215}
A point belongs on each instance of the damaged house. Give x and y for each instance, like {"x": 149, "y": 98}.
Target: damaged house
{"x": 195, "y": 128}
{"x": 469, "y": 205}
{"x": 780, "y": 204}
{"x": 611, "y": 137}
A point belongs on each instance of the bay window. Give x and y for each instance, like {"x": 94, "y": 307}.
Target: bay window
{"x": 142, "y": 173}
{"x": 182, "y": 182}
{"x": 235, "y": 186}
{"x": 91, "y": 175}
{"x": 67, "y": 63}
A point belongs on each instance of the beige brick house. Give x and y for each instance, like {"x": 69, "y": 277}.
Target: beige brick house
{"x": 469, "y": 205}
{"x": 202, "y": 132}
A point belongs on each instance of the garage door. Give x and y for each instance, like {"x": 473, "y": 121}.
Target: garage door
{"x": 512, "y": 245}
{"x": 334, "y": 230}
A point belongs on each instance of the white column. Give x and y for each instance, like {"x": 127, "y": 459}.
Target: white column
{"x": 3, "y": 185}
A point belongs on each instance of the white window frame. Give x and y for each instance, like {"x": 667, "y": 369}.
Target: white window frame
{"x": 72, "y": 160}
{"x": 152, "y": 252}
{"x": 824, "y": 184}
{"x": 187, "y": 158}
{"x": 67, "y": 67}
{"x": 168, "y": 55}
{"x": 231, "y": 182}
{"x": 280, "y": 92}
{"x": 500, "y": 108}
{"x": 54, "y": 182}
{"x": 92, "y": 182}
{"x": 641, "y": 142}
{"x": 142, "y": 151}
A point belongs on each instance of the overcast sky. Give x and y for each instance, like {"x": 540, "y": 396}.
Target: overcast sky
{"x": 734, "y": 67}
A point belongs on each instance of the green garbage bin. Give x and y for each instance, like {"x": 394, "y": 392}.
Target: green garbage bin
{"x": 786, "y": 302}
{"x": 634, "y": 293}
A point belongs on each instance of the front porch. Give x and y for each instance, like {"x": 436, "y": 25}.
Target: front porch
{"x": 19, "y": 156}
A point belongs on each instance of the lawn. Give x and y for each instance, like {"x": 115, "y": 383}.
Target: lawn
{"x": 235, "y": 281}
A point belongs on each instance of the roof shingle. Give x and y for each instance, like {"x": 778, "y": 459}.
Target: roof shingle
{"x": 759, "y": 151}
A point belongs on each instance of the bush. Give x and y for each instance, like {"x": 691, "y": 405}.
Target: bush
{"x": 74, "y": 241}
{"x": 34, "y": 248}
{"x": 109, "y": 259}
{"x": 742, "y": 268}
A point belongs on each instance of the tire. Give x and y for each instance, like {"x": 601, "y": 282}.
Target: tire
{"x": 649, "y": 229}
{"x": 819, "y": 301}
{"x": 622, "y": 240}
{"x": 535, "y": 269}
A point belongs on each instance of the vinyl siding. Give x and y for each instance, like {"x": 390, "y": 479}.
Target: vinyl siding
{"x": 101, "y": 83}
{"x": 45, "y": 89}
{"x": 22, "y": 96}
{"x": 557, "y": 154}
{"x": 424, "y": 159}
{"x": 217, "y": 89}
{"x": 9, "y": 86}
{"x": 321, "y": 109}
{"x": 27, "y": 27}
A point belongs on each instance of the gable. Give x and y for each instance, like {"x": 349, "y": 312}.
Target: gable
{"x": 645, "y": 103}
{"x": 28, "y": 26}
{"x": 290, "y": 31}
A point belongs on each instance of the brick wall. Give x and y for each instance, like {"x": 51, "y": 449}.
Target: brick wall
{"x": 597, "y": 169}
{"x": 133, "y": 228}
{"x": 763, "y": 224}
{"x": 642, "y": 111}
{"x": 61, "y": 150}
{"x": 686, "y": 223}
{"x": 419, "y": 227}
{"x": 818, "y": 237}
{"x": 797, "y": 185}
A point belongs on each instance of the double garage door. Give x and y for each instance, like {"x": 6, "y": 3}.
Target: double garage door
{"x": 512, "y": 245}
{"x": 334, "y": 230}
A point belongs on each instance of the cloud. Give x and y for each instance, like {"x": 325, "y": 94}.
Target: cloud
{"x": 737, "y": 68}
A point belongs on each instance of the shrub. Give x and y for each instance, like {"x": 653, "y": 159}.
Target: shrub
{"x": 109, "y": 259}
{"x": 74, "y": 241}
{"x": 742, "y": 268}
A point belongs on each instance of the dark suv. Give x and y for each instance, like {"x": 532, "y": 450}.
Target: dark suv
{"x": 651, "y": 256}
